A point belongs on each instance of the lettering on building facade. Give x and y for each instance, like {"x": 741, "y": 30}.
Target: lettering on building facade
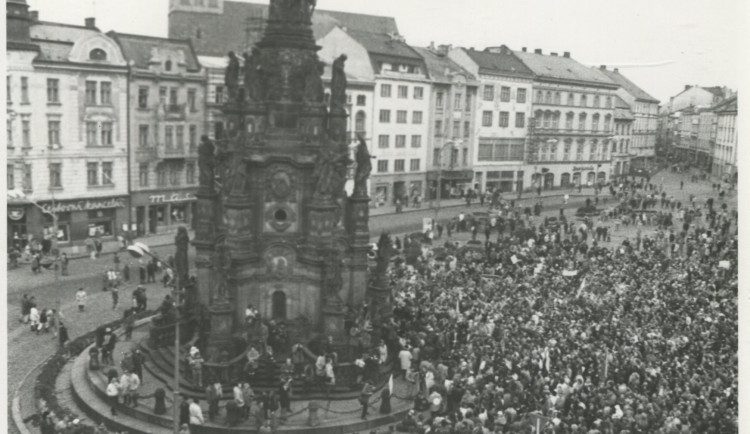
{"x": 171, "y": 198}
{"x": 84, "y": 205}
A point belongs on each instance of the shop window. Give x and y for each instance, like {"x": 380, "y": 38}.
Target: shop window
{"x": 179, "y": 213}
{"x": 63, "y": 227}
{"x": 101, "y": 223}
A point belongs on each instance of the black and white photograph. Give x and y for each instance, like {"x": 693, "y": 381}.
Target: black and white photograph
{"x": 374, "y": 217}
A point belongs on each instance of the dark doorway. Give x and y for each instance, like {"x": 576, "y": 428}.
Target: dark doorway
{"x": 278, "y": 305}
{"x": 140, "y": 219}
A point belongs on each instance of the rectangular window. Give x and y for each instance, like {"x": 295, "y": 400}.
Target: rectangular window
{"x": 106, "y": 93}
{"x": 55, "y": 175}
{"x": 28, "y": 184}
{"x": 91, "y": 133}
{"x": 174, "y": 175}
{"x": 385, "y": 116}
{"x": 467, "y": 129}
{"x": 571, "y": 98}
{"x": 505, "y": 94}
{"x": 383, "y": 141}
{"x": 53, "y": 90}
{"x": 26, "y": 133}
{"x": 457, "y": 101}
{"x": 583, "y": 101}
{"x": 180, "y": 136}
{"x": 24, "y": 90}
{"x": 504, "y": 119}
{"x": 439, "y": 128}
{"x": 418, "y": 92}
{"x": 436, "y": 157}
{"x": 382, "y": 166}
{"x": 401, "y": 116}
{"x": 569, "y": 121}
{"x": 8, "y": 92}
{"x": 521, "y": 96}
{"x": 143, "y": 135}
{"x": 487, "y": 118}
{"x": 439, "y": 100}
{"x": 403, "y": 91}
{"x": 90, "y": 93}
{"x": 501, "y": 150}
{"x": 416, "y": 117}
{"x": 520, "y": 120}
{"x": 609, "y": 102}
{"x": 398, "y": 165}
{"x": 190, "y": 173}
{"x": 143, "y": 97}
{"x": 566, "y": 152}
{"x": 400, "y": 141}
{"x": 219, "y": 97}
{"x": 106, "y": 133}
{"x": 107, "y": 174}
{"x": 489, "y": 92}
{"x": 53, "y": 133}
{"x": 416, "y": 141}
{"x": 193, "y": 133}
{"x": 456, "y": 129}
{"x": 161, "y": 175}
{"x": 385, "y": 90}
{"x": 191, "y": 99}
{"x": 465, "y": 157}
{"x": 168, "y": 137}
{"x": 11, "y": 176}
{"x": 361, "y": 100}
{"x": 163, "y": 95}
{"x": 173, "y": 97}
{"x": 92, "y": 173}
{"x": 414, "y": 164}
{"x": 468, "y": 102}
{"x": 143, "y": 175}
{"x": 9, "y": 125}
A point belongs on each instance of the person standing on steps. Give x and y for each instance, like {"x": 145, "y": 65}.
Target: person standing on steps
{"x": 113, "y": 393}
{"x": 364, "y": 398}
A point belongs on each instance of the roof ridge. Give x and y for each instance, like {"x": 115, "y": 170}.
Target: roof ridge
{"x": 161, "y": 38}
{"x": 75, "y": 26}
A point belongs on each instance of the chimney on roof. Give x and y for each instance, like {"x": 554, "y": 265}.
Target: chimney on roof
{"x": 603, "y": 67}
{"x": 523, "y": 49}
{"x": 553, "y": 54}
{"x": 34, "y": 15}
{"x": 90, "y": 23}
{"x": 566, "y": 54}
{"x": 538, "y": 51}
{"x": 617, "y": 69}
{"x": 432, "y": 46}
{"x": 687, "y": 86}
{"x": 443, "y": 49}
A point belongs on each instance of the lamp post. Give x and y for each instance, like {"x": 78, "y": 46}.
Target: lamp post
{"x": 138, "y": 250}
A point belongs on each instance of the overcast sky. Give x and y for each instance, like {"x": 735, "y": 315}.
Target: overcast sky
{"x": 659, "y": 44}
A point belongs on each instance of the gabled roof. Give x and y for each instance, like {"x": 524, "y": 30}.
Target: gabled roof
{"x": 229, "y": 30}
{"x": 622, "y": 109}
{"x": 56, "y": 40}
{"x": 138, "y": 49}
{"x": 499, "y": 63}
{"x": 441, "y": 68}
{"x": 562, "y": 68}
{"x": 383, "y": 44}
{"x": 729, "y": 105}
{"x": 628, "y": 85}
{"x": 716, "y": 90}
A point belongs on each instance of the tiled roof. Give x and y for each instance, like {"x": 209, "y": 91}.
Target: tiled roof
{"x": 55, "y": 40}
{"x": 138, "y": 49}
{"x": 628, "y": 85}
{"x": 729, "y": 105}
{"x": 229, "y": 30}
{"x": 380, "y": 43}
{"x": 562, "y": 68}
{"x": 716, "y": 90}
{"x": 504, "y": 63}
{"x": 441, "y": 68}
{"x": 622, "y": 109}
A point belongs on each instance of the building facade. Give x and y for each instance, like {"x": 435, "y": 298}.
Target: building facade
{"x": 67, "y": 131}
{"x": 622, "y": 139}
{"x": 645, "y": 110}
{"x": 573, "y": 106}
{"x": 725, "y": 149}
{"x": 502, "y": 116}
{"x": 167, "y": 94}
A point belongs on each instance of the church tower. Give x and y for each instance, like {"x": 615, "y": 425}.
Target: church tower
{"x": 275, "y": 227}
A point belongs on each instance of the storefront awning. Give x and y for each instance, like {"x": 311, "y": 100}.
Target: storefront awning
{"x": 451, "y": 175}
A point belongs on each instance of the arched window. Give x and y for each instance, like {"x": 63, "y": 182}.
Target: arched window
{"x": 565, "y": 180}
{"x": 571, "y": 99}
{"x": 278, "y": 305}
{"x": 582, "y": 121}
{"x": 548, "y": 97}
{"x": 538, "y": 115}
{"x": 569, "y": 120}
{"x": 168, "y": 65}
{"x": 596, "y": 101}
{"x": 593, "y": 150}
{"x": 595, "y": 122}
{"x": 359, "y": 123}
{"x": 97, "y": 54}
{"x": 583, "y": 101}
{"x": 547, "y": 119}
{"x": 558, "y": 98}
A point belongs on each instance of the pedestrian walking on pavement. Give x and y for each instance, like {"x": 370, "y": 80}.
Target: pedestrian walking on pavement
{"x": 81, "y": 297}
{"x": 126, "y": 272}
{"x": 142, "y": 272}
{"x": 64, "y": 261}
{"x": 62, "y": 335}
{"x": 25, "y": 309}
{"x": 115, "y": 297}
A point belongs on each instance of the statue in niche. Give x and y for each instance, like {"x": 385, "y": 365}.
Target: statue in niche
{"x": 232, "y": 76}
{"x": 235, "y": 175}
{"x": 364, "y": 168}
{"x": 222, "y": 265}
{"x": 338, "y": 84}
{"x": 314, "y": 90}
{"x": 253, "y": 75}
{"x": 206, "y": 162}
{"x": 330, "y": 173}
{"x": 238, "y": 222}
{"x": 182, "y": 269}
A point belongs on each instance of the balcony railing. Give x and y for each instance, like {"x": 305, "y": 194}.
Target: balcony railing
{"x": 570, "y": 131}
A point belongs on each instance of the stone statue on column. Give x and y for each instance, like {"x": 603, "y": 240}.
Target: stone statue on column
{"x": 182, "y": 269}
{"x": 329, "y": 176}
{"x": 364, "y": 168}
{"x": 222, "y": 265}
{"x": 253, "y": 76}
{"x": 338, "y": 84}
{"x": 232, "y": 76}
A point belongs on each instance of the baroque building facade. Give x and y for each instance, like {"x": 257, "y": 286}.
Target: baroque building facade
{"x": 67, "y": 131}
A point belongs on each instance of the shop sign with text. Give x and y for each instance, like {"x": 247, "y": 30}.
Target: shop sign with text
{"x": 84, "y": 205}
{"x": 171, "y": 198}
{"x": 583, "y": 169}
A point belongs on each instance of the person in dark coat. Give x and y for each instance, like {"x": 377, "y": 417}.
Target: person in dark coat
{"x": 160, "y": 406}
{"x": 62, "y": 336}
{"x": 385, "y": 401}
{"x": 184, "y": 410}
{"x": 285, "y": 398}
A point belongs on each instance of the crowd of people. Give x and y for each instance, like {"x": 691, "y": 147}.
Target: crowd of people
{"x": 543, "y": 326}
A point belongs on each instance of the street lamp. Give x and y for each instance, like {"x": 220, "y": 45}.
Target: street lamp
{"x": 139, "y": 250}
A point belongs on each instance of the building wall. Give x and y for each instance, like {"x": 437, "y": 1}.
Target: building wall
{"x": 620, "y": 147}
{"x": 725, "y": 151}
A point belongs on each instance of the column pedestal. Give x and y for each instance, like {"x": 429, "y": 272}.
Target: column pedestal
{"x": 222, "y": 324}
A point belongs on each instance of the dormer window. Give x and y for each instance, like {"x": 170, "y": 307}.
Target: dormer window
{"x": 97, "y": 54}
{"x": 168, "y": 65}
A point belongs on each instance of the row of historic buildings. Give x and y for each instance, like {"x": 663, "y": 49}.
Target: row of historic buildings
{"x": 698, "y": 126}
{"x": 104, "y": 127}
